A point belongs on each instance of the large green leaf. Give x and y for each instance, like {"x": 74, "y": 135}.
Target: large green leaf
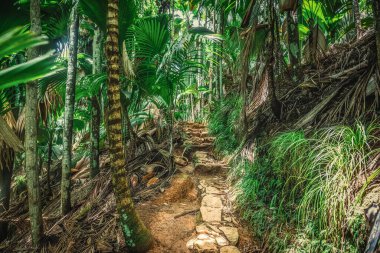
{"x": 203, "y": 31}
{"x": 17, "y": 39}
{"x": 96, "y": 10}
{"x": 37, "y": 68}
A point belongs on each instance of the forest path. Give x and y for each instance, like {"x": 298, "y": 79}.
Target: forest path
{"x": 196, "y": 212}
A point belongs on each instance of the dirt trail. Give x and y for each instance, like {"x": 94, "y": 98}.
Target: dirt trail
{"x": 196, "y": 212}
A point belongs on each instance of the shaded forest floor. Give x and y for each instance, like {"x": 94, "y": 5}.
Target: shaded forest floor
{"x": 191, "y": 209}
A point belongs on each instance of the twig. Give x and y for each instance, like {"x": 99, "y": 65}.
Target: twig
{"x": 186, "y": 213}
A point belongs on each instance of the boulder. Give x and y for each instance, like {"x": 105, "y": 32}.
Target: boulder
{"x": 210, "y": 214}
{"x": 231, "y": 233}
{"x": 221, "y": 241}
{"x": 212, "y": 201}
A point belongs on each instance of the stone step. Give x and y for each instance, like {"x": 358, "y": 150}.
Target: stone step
{"x": 208, "y": 167}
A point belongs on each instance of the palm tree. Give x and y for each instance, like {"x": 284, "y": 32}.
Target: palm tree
{"x": 357, "y": 19}
{"x": 69, "y": 111}
{"x": 31, "y": 168}
{"x": 137, "y": 237}
{"x": 94, "y": 101}
{"x": 376, "y": 14}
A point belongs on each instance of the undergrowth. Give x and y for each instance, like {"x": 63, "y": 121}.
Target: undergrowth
{"x": 222, "y": 123}
{"x": 298, "y": 193}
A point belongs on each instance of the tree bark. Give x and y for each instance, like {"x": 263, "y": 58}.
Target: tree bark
{"x": 274, "y": 103}
{"x": 32, "y": 172}
{"x": 6, "y": 171}
{"x": 357, "y": 19}
{"x": 221, "y": 29}
{"x": 137, "y": 237}
{"x": 48, "y": 165}
{"x": 69, "y": 111}
{"x": 376, "y": 15}
{"x": 292, "y": 41}
{"x": 95, "y": 106}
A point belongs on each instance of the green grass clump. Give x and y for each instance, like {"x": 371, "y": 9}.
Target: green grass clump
{"x": 222, "y": 123}
{"x": 300, "y": 187}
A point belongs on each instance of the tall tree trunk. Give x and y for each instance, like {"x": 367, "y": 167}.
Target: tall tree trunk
{"x": 357, "y": 19}
{"x": 32, "y": 172}
{"x": 48, "y": 165}
{"x": 274, "y": 103}
{"x": 6, "y": 171}
{"x": 137, "y": 237}
{"x": 95, "y": 105}
{"x": 69, "y": 111}
{"x": 376, "y": 14}
{"x": 293, "y": 44}
{"x": 221, "y": 30}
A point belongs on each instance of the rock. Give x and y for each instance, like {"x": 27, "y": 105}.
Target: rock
{"x": 231, "y": 233}
{"x": 148, "y": 168}
{"x": 212, "y": 190}
{"x": 203, "y": 237}
{"x": 190, "y": 244}
{"x": 210, "y": 214}
{"x": 201, "y": 229}
{"x": 212, "y": 201}
{"x": 152, "y": 181}
{"x": 198, "y": 155}
{"x": 229, "y": 249}
{"x": 181, "y": 161}
{"x": 203, "y": 183}
{"x": 207, "y": 167}
{"x": 207, "y": 229}
{"x": 221, "y": 241}
{"x": 214, "y": 228}
{"x": 207, "y": 245}
{"x": 134, "y": 180}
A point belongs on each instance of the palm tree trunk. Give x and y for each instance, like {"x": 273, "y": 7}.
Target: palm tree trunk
{"x": 32, "y": 172}
{"x": 95, "y": 105}
{"x": 357, "y": 19}
{"x": 274, "y": 103}
{"x": 292, "y": 41}
{"x": 137, "y": 237}
{"x": 48, "y": 166}
{"x": 69, "y": 111}
{"x": 221, "y": 30}
{"x": 376, "y": 14}
{"x": 6, "y": 171}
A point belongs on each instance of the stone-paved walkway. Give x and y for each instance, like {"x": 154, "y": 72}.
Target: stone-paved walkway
{"x": 217, "y": 228}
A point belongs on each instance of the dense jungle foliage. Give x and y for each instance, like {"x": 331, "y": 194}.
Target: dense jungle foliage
{"x": 92, "y": 92}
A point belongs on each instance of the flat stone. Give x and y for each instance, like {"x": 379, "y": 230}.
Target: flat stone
{"x": 202, "y": 229}
{"x": 214, "y": 228}
{"x": 212, "y": 201}
{"x": 207, "y": 245}
{"x": 229, "y": 249}
{"x": 231, "y": 233}
{"x": 190, "y": 244}
{"x": 203, "y": 237}
{"x": 212, "y": 190}
{"x": 221, "y": 241}
{"x": 210, "y": 214}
